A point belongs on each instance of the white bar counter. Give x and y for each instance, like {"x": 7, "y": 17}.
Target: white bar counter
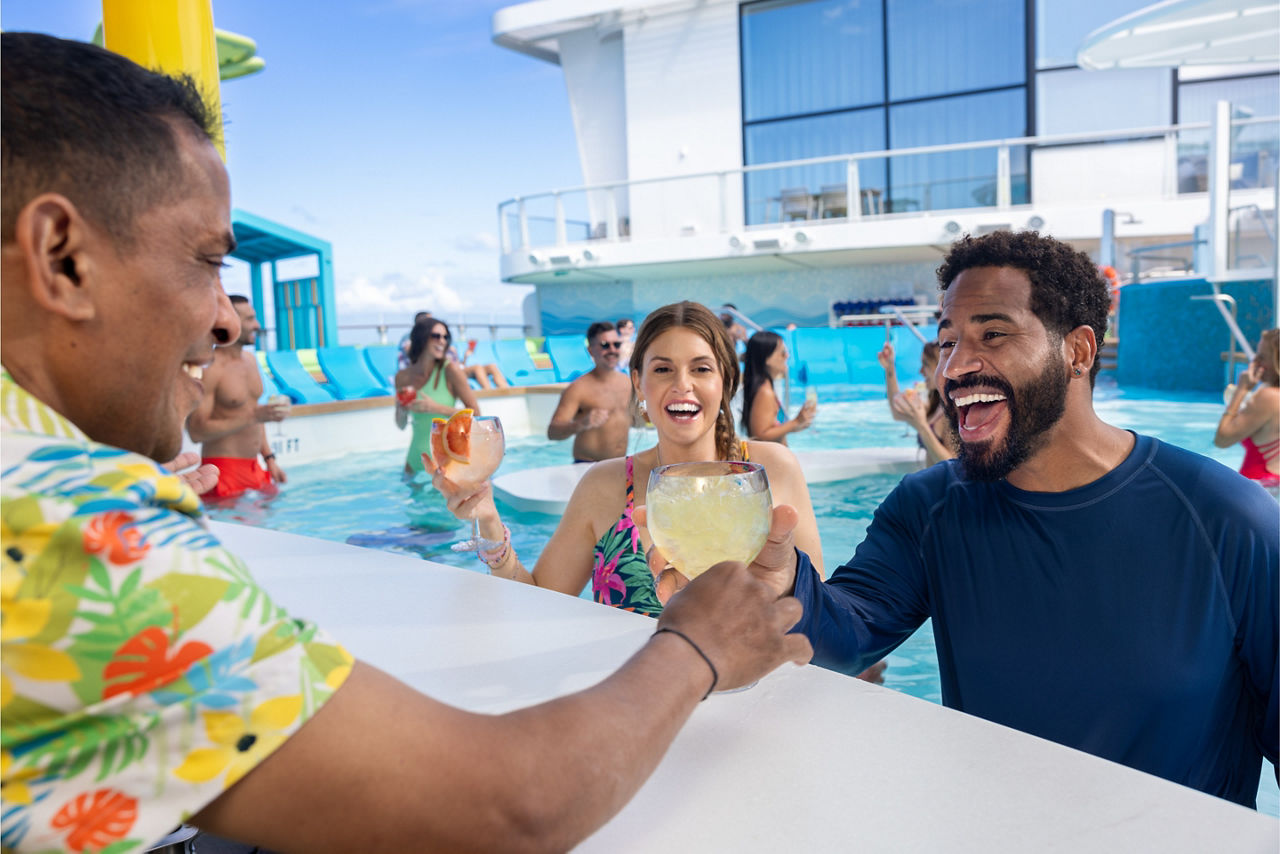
{"x": 806, "y": 761}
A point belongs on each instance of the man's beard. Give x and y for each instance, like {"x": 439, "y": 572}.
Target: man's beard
{"x": 1033, "y": 409}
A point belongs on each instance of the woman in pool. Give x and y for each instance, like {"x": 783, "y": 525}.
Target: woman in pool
{"x": 923, "y": 411}
{"x": 683, "y": 373}
{"x": 439, "y": 384}
{"x": 1255, "y": 422}
{"x": 763, "y": 415}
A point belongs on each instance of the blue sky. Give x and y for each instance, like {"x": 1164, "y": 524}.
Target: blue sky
{"x": 392, "y": 129}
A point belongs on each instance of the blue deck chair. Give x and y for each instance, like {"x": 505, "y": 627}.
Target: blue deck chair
{"x": 294, "y": 380}
{"x": 484, "y": 355}
{"x": 349, "y": 377}
{"x": 269, "y": 384}
{"x": 569, "y": 356}
{"x": 517, "y": 364}
{"x": 384, "y": 361}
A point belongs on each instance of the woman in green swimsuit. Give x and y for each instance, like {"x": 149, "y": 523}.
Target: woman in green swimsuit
{"x": 440, "y": 384}
{"x": 683, "y": 373}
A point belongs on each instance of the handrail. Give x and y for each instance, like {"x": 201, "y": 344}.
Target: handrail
{"x": 1221, "y": 300}
{"x": 1050, "y": 139}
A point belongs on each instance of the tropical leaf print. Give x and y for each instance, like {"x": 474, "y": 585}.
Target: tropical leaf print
{"x": 144, "y": 662}
{"x": 115, "y": 742}
{"x": 131, "y": 610}
{"x": 97, "y": 819}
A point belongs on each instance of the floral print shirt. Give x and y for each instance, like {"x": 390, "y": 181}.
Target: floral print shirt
{"x": 143, "y": 670}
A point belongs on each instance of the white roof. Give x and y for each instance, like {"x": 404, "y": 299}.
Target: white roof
{"x": 1187, "y": 32}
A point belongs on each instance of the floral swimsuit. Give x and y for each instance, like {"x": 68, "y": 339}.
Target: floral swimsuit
{"x": 620, "y": 574}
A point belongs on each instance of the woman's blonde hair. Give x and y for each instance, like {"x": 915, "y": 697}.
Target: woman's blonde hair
{"x": 701, "y": 320}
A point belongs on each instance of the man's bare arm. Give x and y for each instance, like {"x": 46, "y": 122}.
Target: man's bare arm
{"x": 566, "y": 420}
{"x": 208, "y": 425}
{"x": 422, "y": 776}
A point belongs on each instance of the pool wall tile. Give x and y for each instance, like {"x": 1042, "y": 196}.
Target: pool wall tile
{"x": 1168, "y": 341}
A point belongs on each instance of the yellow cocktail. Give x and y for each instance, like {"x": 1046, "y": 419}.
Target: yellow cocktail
{"x": 702, "y": 513}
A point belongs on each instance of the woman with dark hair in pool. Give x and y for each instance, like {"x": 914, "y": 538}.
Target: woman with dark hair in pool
{"x": 920, "y": 407}
{"x": 763, "y": 415}
{"x": 1255, "y": 422}
{"x": 430, "y": 387}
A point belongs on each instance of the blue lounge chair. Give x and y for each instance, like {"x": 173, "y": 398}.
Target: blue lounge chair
{"x": 349, "y": 377}
{"x": 822, "y": 350}
{"x": 269, "y": 385}
{"x": 517, "y": 365}
{"x": 384, "y": 361}
{"x": 569, "y": 356}
{"x": 294, "y": 380}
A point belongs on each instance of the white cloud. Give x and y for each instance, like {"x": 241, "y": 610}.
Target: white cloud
{"x": 396, "y": 292}
{"x": 480, "y": 241}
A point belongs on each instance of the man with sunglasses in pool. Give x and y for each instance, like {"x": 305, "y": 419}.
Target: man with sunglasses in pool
{"x": 596, "y": 407}
{"x": 1088, "y": 585}
{"x": 146, "y": 677}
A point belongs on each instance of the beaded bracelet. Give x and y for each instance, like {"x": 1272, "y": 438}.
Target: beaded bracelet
{"x": 715, "y": 675}
{"x": 497, "y": 556}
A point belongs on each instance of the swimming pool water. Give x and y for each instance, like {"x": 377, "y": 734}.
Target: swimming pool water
{"x": 362, "y": 498}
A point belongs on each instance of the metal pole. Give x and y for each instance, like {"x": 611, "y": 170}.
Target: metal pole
{"x": 1219, "y": 184}
{"x": 1107, "y": 249}
{"x": 1004, "y": 180}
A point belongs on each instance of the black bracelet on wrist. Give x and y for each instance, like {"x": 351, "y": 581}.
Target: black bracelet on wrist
{"x": 715, "y": 676}
{"x": 270, "y": 456}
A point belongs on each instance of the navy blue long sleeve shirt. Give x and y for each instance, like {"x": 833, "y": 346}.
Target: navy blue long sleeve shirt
{"x": 1134, "y": 618}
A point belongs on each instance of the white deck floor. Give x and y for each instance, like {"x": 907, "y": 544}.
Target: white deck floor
{"x": 808, "y": 760}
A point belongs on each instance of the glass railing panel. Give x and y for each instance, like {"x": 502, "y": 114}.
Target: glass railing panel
{"x": 815, "y": 191}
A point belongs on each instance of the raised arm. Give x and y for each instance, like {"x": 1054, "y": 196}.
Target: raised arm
{"x": 1245, "y": 415}
{"x": 564, "y": 564}
{"x": 886, "y": 359}
{"x": 383, "y": 768}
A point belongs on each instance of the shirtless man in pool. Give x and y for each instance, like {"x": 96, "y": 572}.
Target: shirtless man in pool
{"x": 595, "y": 408}
{"x": 230, "y": 420}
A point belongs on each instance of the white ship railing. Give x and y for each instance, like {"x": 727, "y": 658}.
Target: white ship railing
{"x": 604, "y": 218}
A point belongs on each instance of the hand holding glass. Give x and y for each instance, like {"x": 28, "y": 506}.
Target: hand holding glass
{"x": 487, "y": 446}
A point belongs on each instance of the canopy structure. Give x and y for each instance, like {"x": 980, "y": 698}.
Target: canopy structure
{"x": 304, "y": 307}
{"x": 1186, "y": 32}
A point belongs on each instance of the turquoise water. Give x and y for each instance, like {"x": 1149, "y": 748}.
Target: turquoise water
{"x": 362, "y": 498}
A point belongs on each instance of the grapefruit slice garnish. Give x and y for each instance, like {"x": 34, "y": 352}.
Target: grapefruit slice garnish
{"x": 457, "y": 435}
{"x": 438, "y": 455}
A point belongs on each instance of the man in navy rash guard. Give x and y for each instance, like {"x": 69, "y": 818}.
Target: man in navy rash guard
{"x": 1087, "y": 585}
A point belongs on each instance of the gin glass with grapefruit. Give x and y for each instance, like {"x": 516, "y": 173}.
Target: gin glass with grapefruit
{"x": 467, "y": 449}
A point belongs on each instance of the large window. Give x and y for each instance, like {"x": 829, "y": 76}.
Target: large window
{"x": 1254, "y": 148}
{"x": 827, "y": 77}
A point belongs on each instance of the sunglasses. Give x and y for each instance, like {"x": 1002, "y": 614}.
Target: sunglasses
{"x": 439, "y": 336}
{"x": 610, "y": 345}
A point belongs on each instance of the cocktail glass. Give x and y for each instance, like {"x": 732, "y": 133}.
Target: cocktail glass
{"x": 702, "y": 513}
{"x": 487, "y": 448}
{"x": 279, "y": 400}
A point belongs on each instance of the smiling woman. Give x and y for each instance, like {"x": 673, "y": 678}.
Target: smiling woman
{"x": 683, "y": 373}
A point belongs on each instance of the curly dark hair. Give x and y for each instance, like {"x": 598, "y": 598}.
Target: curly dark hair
{"x": 95, "y": 127}
{"x": 1067, "y": 291}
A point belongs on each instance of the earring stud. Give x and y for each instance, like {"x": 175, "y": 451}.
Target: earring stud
{"x": 644, "y": 408}
{"x": 1077, "y": 372}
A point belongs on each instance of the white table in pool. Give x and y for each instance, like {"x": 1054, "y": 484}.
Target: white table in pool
{"x": 808, "y": 760}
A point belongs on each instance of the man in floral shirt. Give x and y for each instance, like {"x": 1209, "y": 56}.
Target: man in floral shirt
{"x": 146, "y": 679}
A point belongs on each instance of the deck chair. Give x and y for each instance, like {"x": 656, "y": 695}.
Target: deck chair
{"x": 796, "y": 203}
{"x": 569, "y": 356}
{"x": 517, "y": 365}
{"x": 822, "y": 350}
{"x": 294, "y": 380}
{"x": 348, "y": 375}
{"x": 269, "y": 385}
{"x": 383, "y": 360}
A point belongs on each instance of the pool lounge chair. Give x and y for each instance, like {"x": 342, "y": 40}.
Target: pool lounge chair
{"x": 294, "y": 380}
{"x": 349, "y": 377}
{"x": 384, "y": 361}
{"x": 517, "y": 365}
{"x": 569, "y": 356}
